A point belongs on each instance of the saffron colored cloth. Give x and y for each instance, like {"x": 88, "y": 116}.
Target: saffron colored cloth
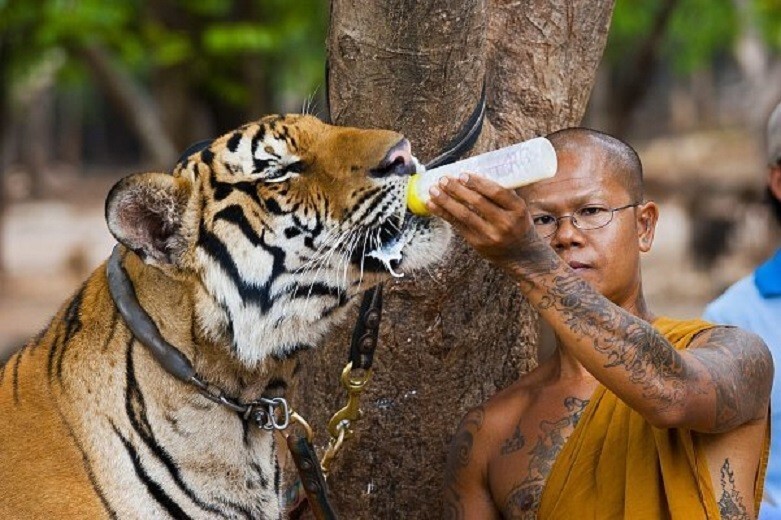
{"x": 616, "y": 465}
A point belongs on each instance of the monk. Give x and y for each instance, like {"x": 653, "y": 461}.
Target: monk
{"x": 634, "y": 415}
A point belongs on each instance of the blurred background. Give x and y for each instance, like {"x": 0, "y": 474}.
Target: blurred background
{"x": 92, "y": 90}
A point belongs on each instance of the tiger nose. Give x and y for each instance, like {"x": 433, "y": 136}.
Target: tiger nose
{"x": 398, "y": 161}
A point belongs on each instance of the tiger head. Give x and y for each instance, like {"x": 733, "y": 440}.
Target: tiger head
{"x": 278, "y": 225}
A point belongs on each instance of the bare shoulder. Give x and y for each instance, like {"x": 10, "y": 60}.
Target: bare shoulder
{"x": 734, "y": 348}
{"x": 466, "y": 491}
{"x": 483, "y": 425}
{"x": 484, "y": 428}
{"x": 740, "y": 368}
{"x": 504, "y": 408}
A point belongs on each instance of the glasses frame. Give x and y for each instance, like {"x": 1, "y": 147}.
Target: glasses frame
{"x": 571, "y": 216}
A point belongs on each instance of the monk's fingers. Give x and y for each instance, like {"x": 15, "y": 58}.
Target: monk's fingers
{"x": 457, "y": 212}
{"x": 473, "y": 199}
{"x": 503, "y": 197}
{"x": 502, "y": 226}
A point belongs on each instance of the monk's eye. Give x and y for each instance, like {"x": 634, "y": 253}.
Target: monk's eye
{"x": 591, "y": 211}
{"x": 543, "y": 220}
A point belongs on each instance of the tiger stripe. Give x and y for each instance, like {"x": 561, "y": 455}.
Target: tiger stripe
{"x": 135, "y": 410}
{"x": 15, "y": 374}
{"x": 154, "y": 488}
{"x": 97, "y": 488}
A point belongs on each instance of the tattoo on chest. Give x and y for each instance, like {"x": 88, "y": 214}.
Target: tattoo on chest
{"x": 515, "y": 442}
{"x": 524, "y": 500}
{"x": 731, "y": 504}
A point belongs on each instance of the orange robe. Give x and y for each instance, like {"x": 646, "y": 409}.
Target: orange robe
{"x": 616, "y": 465}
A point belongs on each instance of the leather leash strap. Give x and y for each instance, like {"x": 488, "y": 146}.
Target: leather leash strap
{"x": 366, "y": 330}
{"x": 312, "y": 479}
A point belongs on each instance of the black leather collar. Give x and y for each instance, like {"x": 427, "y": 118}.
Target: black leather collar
{"x": 267, "y": 413}
{"x": 140, "y": 324}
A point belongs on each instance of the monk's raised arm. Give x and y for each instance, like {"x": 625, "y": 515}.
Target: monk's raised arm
{"x": 617, "y": 345}
{"x": 722, "y": 382}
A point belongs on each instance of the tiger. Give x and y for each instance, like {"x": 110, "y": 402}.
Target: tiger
{"x": 243, "y": 256}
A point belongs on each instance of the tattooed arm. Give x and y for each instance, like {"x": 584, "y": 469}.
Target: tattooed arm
{"x": 696, "y": 389}
{"x": 466, "y": 494}
{"x": 722, "y": 381}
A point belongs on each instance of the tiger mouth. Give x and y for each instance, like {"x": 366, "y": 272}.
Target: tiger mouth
{"x": 388, "y": 252}
{"x": 393, "y": 235}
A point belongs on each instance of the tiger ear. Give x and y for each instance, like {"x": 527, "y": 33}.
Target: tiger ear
{"x": 144, "y": 212}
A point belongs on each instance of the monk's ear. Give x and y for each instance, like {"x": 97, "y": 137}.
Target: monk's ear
{"x": 144, "y": 212}
{"x": 647, "y": 217}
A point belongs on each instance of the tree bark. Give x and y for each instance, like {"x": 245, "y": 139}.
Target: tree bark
{"x": 453, "y": 337}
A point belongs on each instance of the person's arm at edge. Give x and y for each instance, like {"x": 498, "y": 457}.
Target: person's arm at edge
{"x": 466, "y": 494}
{"x": 722, "y": 382}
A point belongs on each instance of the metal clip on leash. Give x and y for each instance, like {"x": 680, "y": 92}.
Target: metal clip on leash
{"x": 356, "y": 373}
{"x": 339, "y": 427}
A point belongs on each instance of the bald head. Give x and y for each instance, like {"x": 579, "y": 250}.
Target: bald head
{"x": 618, "y": 158}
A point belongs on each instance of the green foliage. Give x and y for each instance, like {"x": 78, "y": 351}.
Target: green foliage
{"x": 226, "y": 39}
{"x": 768, "y": 13}
{"x": 210, "y": 39}
{"x": 697, "y": 31}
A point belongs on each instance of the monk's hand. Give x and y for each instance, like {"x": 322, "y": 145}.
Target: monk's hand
{"x": 493, "y": 220}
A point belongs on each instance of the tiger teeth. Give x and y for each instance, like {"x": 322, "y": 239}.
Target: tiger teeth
{"x": 390, "y": 252}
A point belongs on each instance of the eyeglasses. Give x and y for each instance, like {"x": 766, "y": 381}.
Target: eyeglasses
{"x": 586, "y": 218}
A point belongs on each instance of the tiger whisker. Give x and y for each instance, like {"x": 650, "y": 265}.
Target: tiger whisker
{"x": 352, "y": 245}
{"x": 341, "y": 238}
{"x": 345, "y": 257}
{"x": 331, "y": 236}
{"x": 317, "y": 264}
{"x": 363, "y": 257}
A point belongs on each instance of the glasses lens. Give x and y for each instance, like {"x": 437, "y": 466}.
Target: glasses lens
{"x": 592, "y": 217}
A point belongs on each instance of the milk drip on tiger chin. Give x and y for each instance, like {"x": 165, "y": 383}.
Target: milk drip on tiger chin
{"x": 511, "y": 167}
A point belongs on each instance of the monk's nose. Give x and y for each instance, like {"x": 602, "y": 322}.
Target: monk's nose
{"x": 566, "y": 234}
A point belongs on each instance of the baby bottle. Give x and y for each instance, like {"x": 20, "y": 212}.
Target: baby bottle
{"x": 511, "y": 167}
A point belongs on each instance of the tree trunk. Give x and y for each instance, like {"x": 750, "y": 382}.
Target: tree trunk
{"x": 133, "y": 103}
{"x": 633, "y": 86}
{"x": 446, "y": 341}
{"x": 70, "y": 133}
{"x": 36, "y": 139}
